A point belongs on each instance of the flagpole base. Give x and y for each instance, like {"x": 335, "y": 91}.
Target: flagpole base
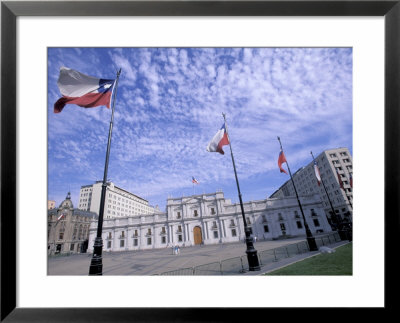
{"x": 312, "y": 245}
{"x": 96, "y": 264}
{"x": 252, "y": 257}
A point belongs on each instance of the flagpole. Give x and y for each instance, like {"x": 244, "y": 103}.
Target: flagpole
{"x": 338, "y": 220}
{"x": 250, "y": 251}
{"x": 310, "y": 239}
{"x": 96, "y": 265}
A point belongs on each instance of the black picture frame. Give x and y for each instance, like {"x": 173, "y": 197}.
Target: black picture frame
{"x": 10, "y": 10}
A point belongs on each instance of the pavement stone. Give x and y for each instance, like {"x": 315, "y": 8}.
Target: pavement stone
{"x": 157, "y": 261}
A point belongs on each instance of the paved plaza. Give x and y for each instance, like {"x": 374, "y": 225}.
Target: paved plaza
{"x": 157, "y": 261}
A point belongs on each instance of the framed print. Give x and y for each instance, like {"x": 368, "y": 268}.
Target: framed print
{"x": 33, "y": 30}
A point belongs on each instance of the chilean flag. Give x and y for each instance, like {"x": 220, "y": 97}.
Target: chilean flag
{"x": 83, "y": 90}
{"x": 220, "y": 139}
{"x": 194, "y": 181}
{"x": 317, "y": 174}
{"x": 281, "y": 160}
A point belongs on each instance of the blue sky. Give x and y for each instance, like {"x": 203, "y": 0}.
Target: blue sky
{"x": 169, "y": 106}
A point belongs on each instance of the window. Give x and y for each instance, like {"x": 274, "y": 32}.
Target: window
{"x": 180, "y": 238}
{"x": 179, "y": 228}
{"x": 123, "y": 234}
{"x": 266, "y": 229}
{"x": 109, "y": 245}
{"x": 163, "y": 240}
{"x": 316, "y": 222}
{"x": 212, "y": 210}
{"x": 215, "y": 234}
{"x": 135, "y": 242}
{"x": 299, "y": 224}
{"x": 148, "y": 231}
{"x": 248, "y": 220}
{"x": 163, "y": 230}
{"x": 232, "y": 223}
{"x": 195, "y": 213}
{"x": 178, "y": 215}
{"x": 283, "y": 227}
{"x": 122, "y": 243}
{"x": 233, "y": 232}
{"x": 72, "y": 247}
{"x": 135, "y": 233}
{"x": 148, "y": 241}
{"x": 264, "y": 218}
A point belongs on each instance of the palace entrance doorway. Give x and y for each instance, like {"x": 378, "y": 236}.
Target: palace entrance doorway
{"x": 197, "y": 235}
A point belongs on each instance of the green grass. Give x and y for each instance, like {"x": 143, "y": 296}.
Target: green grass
{"x": 337, "y": 263}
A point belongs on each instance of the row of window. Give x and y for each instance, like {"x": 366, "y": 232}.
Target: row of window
{"x": 215, "y": 235}
{"x": 127, "y": 200}
{"x": 195, "y": 213}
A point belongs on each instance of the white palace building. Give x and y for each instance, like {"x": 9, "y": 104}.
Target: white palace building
{"x": 211, "y": 219}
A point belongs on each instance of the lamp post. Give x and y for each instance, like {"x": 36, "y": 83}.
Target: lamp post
{"x": 310, "y": 239}
{"x": 96, "y": 264}
{"x": 251, "y": 252}
{"x": 337, "y": 218}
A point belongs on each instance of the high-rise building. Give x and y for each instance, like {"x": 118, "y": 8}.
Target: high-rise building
{"x": 331, "y": 163}
{"x": 118, "y": 203}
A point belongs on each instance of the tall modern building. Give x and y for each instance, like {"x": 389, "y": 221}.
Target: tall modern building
{"x": 119, "y": 202}
{"x": 330, "y": 163}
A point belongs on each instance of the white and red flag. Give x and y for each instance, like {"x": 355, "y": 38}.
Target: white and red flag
{"x": 82, "y": 90}
{"x": 317, "y": 173}
{"x": 220, "y": 139}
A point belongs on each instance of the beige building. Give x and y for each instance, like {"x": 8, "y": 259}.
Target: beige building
{"x": 329, "y": 161}
{"x": 68, "y": 228}
{"x": 118, "y": 203}
{"x": 51, "y": 204}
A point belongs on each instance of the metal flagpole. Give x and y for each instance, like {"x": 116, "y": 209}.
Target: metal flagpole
{"x": 310, "y": 239}
{"x": 250, "y": 251}
{"x": 338, "y": 220}
{"x": 96, "y": 265}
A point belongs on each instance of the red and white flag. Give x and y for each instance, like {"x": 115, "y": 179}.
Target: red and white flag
{"x": 82, "y": 90}
{"x": 281, "y": 160}
{"x": 317, "y": 173}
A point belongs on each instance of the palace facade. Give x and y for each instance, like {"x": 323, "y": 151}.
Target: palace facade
{"x": 211, "y": 219}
